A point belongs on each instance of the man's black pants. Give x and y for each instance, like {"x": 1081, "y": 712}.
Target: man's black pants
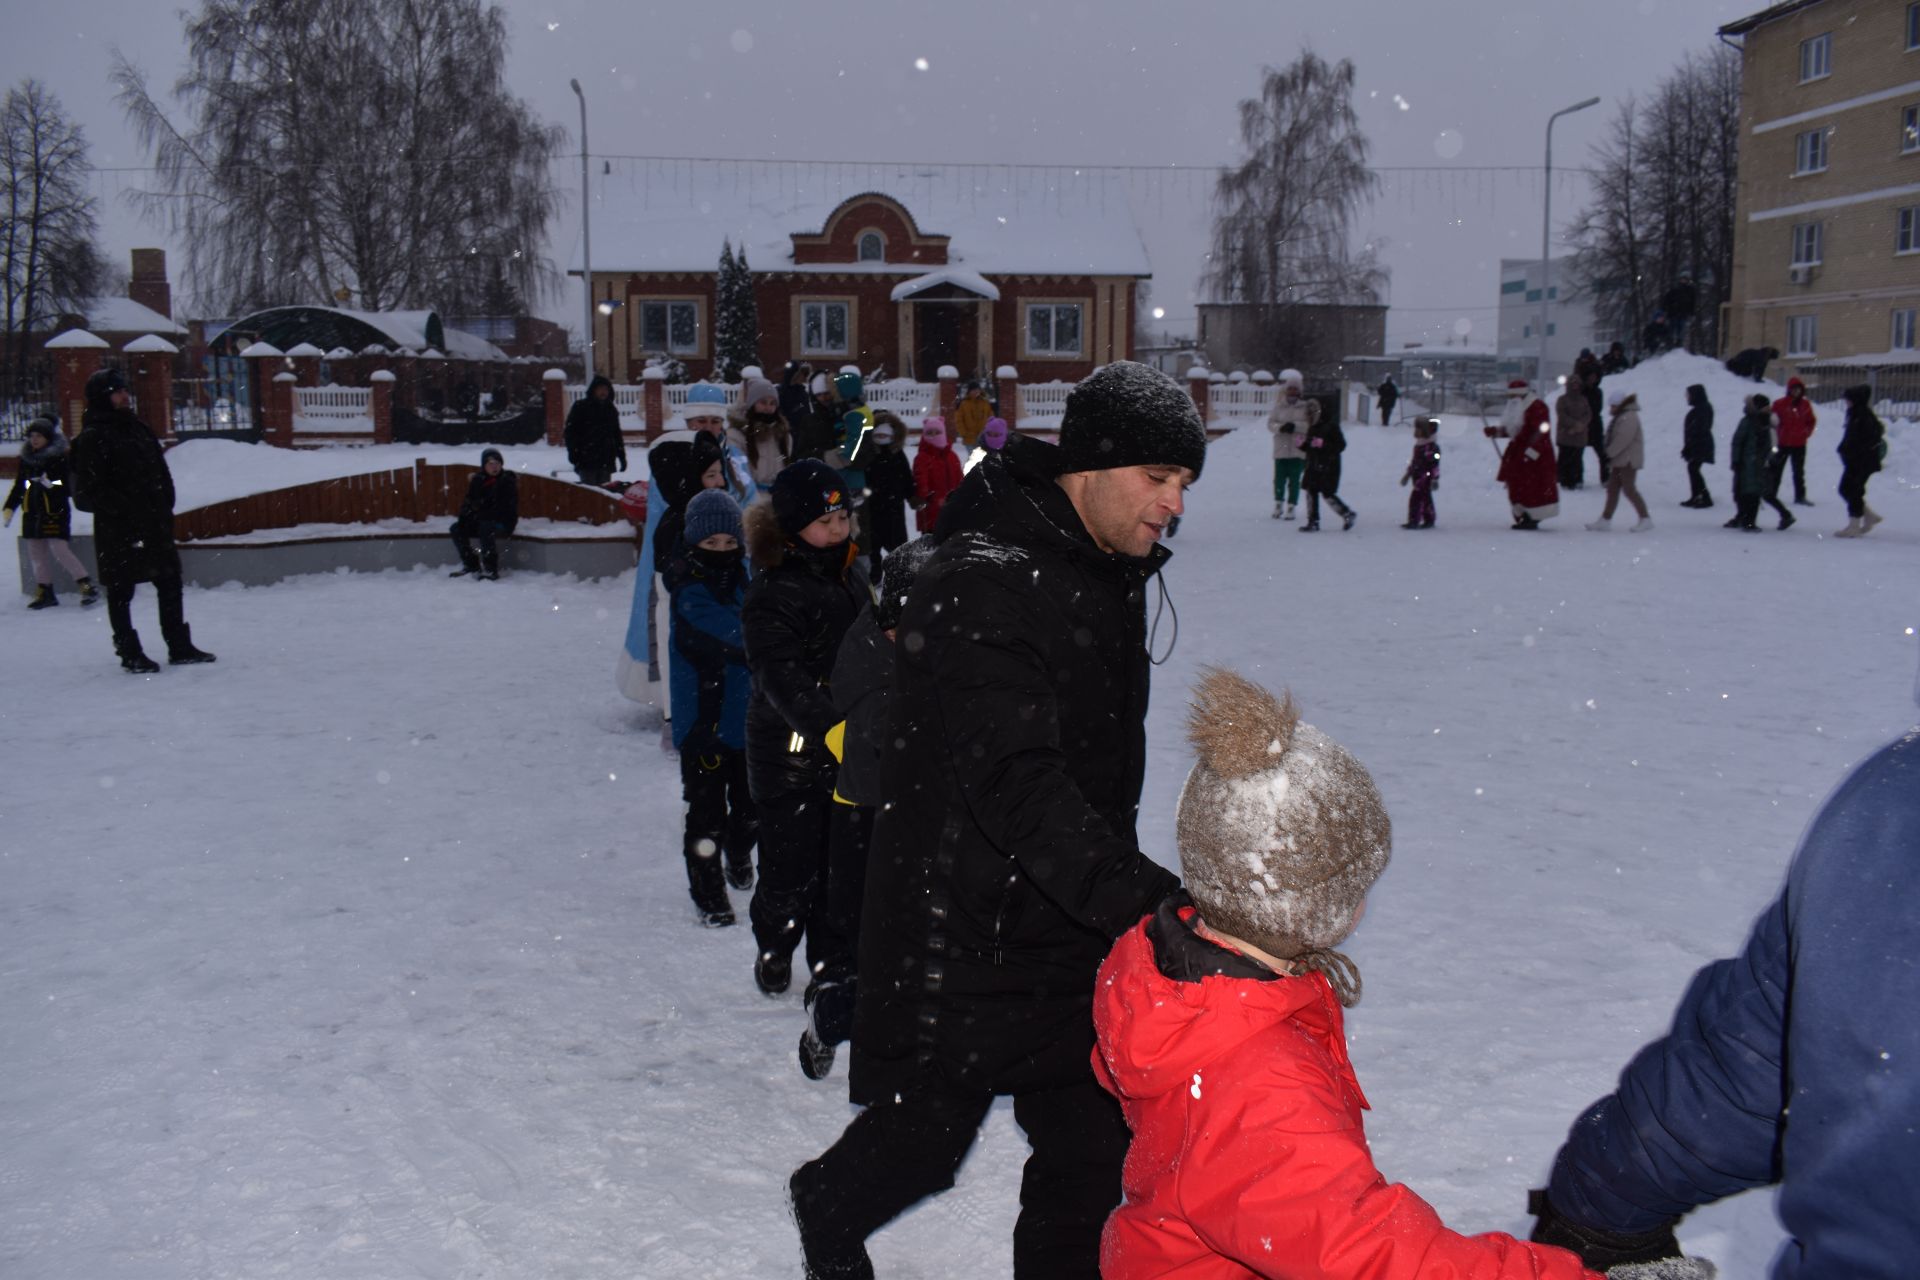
{"x": 896, "y": 1154}
{"x": 173, "y": 615}
{"x": 794, "y": 848}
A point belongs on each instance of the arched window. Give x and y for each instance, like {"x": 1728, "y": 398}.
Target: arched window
{"x": 873, "y": 247}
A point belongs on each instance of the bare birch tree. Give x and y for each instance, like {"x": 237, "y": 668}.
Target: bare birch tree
{"x": 1282, "y": 226}
{"x": 348, "y": 149}
{"x": 49, "y": 262}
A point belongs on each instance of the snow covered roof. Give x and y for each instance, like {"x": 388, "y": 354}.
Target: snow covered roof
{"x": 958, "y": 277}
{"x": 124, "y": 315}
{"x": 653, "y": 215}
{"x": 325, "y": 327}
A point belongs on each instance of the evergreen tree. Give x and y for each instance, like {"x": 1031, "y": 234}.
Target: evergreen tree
{"x": 736, "y": 326}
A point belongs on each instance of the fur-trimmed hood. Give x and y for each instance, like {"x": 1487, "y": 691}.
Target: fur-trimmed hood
{"x": 766, "y": 544}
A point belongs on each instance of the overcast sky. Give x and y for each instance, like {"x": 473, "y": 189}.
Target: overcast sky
{"x": 1054, "y": 82}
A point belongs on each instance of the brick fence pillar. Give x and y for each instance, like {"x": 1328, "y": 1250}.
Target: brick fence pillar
{"x": 1008, "y": 378}
{"x": 381, "y": 380}
{"x": 1198, "y": 389}
{"x": 554, "y": 384}
{"x": 76, "y": 354}
{"x": 280, "y": 410}
{"x": 306, "y": 364}
{"x": 949, "y": 392}
{"x": 150, "y": 371}
{"x": 653, "y": 401}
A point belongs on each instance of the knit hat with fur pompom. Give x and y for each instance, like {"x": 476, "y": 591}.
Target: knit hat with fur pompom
{"x": 1281, "y": 831}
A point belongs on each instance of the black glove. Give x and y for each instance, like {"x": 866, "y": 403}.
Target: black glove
{"x": 1598, "y": 1249}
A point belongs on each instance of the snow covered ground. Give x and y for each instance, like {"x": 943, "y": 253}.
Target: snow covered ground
{"x": 366, "y": 953}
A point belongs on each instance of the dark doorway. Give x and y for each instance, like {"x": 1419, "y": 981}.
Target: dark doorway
{"x": 936, "y": 331}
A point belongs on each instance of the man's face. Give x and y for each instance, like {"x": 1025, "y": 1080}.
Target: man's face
{"x": 120, "y": 398}
{"x": 1127, "y": 509}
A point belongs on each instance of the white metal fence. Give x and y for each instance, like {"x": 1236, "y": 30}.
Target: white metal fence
{"x": 906, "y": 399}
{"x": 1242, "y": 399}
{"x": 1043, "y": 403}
{"x": 333, "y": 410}
{"x": 626, "y": 398}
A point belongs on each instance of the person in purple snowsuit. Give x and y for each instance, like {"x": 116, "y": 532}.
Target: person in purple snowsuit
{"x": 1423, "y": 473}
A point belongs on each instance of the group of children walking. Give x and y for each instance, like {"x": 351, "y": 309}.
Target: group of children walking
{"x": 1770, "y": 440}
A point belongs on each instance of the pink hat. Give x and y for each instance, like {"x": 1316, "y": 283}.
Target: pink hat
{"x": 933, "y": 431}
{"x": 994, "y": 434}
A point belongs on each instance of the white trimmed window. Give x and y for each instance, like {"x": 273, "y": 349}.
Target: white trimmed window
{"x": 1053, "y": 328}
{"x": 670, "y": 328}
{"x": 873, "y": 247}
{"x": 1810, "y": 151}
{"x": 1806, "y": 244}
{"x": 1902, "y": 339}
{"x": 1909, "y": 130}
{"x": 1816, "y": 58}
{"x": 1907, "y": 238}
{"x": 824, "y": 329}
{"x": 1803, "y": 335}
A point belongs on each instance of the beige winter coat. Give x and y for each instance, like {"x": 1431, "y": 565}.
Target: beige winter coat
{"x": 1625, "y": 445}
{"x": 1301, "y": 414}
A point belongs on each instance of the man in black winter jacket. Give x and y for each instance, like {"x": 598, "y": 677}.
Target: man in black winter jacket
{"x": 121, "y": 475}
{"x": 595, "y": 447}
{"x": 1006, "y": 861}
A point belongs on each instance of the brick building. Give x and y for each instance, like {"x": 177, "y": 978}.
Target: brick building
{"x": 1041, "y": 276}
{"x": 1826, "y": 260}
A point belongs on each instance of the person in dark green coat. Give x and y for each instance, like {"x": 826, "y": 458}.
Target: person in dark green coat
{"x": 1750, "y": 454}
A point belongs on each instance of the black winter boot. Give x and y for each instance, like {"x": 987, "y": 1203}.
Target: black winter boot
{"x": 43, "y": 597}
{"x": 820, "y": 1259}
{"x": 181, "y": 653}
{"x": 772, "y": 973}
{"x": 134, "y": 659}
{"x": 709, "y": 891}
{"x": 89, "y": 594}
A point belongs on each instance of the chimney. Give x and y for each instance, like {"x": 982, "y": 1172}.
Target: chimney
{"x": 149, "y": 285}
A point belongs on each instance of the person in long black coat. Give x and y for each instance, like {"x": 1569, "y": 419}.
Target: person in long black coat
{"x": 121, "y": 475}
{"x": 1696, "y": 448}
{"x": 889, "y": 487}
{"x": 808, "y": 587}
{"x": 490, "y": 510}
{"x": 1862, "y": 442}
{"x": 1324, "y": 444}
{"x": 595, "y": 447}
{"x": 1007, "y": 859}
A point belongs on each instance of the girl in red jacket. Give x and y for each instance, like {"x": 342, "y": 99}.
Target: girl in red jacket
{"x": 1220, "y": 1031}
{"x": 936, "y": 473}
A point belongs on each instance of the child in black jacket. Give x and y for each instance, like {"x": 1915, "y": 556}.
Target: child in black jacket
{"x": 862, "y": 676}
{"x": 1696, "y": 447}
{"x": 490, "y": 510}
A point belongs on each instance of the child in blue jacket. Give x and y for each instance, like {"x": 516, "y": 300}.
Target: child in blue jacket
{"x": 709, "y": 683}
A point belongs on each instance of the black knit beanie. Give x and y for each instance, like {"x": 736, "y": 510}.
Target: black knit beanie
{"x": 804, "y": 492}
{"x": 1131, "y": 415}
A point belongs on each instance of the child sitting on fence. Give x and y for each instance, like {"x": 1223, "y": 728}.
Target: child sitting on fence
{"x": 490, "y": 510}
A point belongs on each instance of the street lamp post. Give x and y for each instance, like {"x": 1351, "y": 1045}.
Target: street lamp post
{"x": 1546, "y": 231}
{"x": 586, "y": 240}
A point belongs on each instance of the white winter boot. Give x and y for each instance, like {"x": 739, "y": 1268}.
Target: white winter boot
{"x": 1279, "y": 510}
{"x": 1641, "y": 525}
{"x": 1872, "y": 518}
{"x": 1289, "y": 514}
{"x": 1855, "y": 527}
{"x": 1601, "y": 525}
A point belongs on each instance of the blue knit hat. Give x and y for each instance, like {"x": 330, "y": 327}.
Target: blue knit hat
{"x": 712, "y": 511}
{"x": 704, "y": 400}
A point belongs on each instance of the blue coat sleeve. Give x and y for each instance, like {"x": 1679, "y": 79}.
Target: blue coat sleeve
{"x": 1797, "y": 1062}
{"x": 718, "y": 625}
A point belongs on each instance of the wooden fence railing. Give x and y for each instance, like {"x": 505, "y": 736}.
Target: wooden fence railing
{"x": 420, "y": 493}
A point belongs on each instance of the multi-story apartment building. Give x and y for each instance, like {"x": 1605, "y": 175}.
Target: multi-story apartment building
{"x": 1826, "y": 259}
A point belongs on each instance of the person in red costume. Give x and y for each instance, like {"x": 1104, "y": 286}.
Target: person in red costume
{"x": 1797, "y": 421}
{"x": 936, "y": 474}
{"x": 1220, "y": 1031}
{"x": 1528, "y": 468}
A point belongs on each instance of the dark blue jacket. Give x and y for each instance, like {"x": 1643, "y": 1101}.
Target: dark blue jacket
{"x": 708, "y": 680}
{"x": 1796, "y": 1062}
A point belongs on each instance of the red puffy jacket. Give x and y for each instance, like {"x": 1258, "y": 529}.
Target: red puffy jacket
{"x": 1796, "y": 415}
{"x": 1248, "y": 1157}
{"x": 936, "y": 473}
